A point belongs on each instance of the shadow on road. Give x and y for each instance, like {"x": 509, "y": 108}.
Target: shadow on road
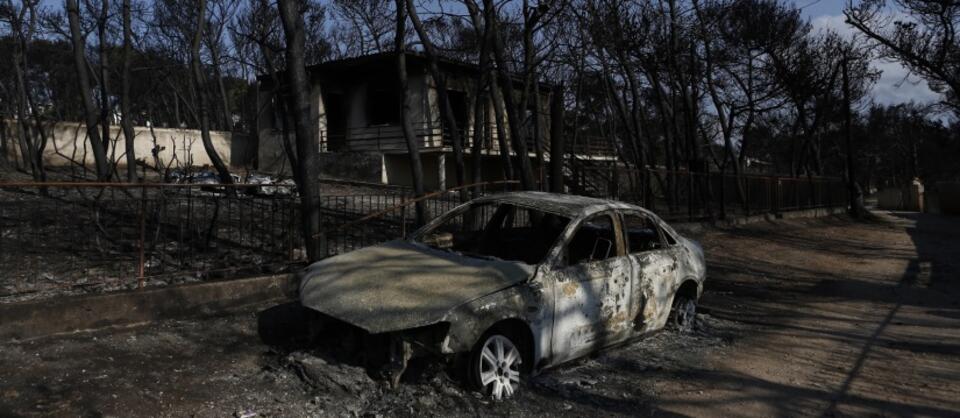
{"x": 929, "y": 280}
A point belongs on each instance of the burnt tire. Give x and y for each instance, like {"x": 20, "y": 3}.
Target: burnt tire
{"x": 495, "y": 364}
{"x": 684, "y": 314}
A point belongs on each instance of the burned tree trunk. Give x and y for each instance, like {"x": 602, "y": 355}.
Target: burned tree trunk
{"x": 556, "y": 141}
{"x": 203, "y": 113}
{"x": 446, "y": 109}
{"x": 857, "y": 209}
{"x": 480, "y": 114}
{"x": 104, "y": 77}
{"x": 416, "y": 167}
{"x": 3, "y": 139}
{"x": 23, "y": 129}
{"x": 308, "y": 150}
{"x": 83, "y": 81}
{"x": 19, "y": 70}
{"x": 480, "y": 118}
{"x": 503, "y": 141}
{"x": 125, "y": 122}
{"x": 506, "y": 85}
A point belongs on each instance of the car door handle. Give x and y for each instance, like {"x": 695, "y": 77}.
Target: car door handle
{"x": 533, "y": 309}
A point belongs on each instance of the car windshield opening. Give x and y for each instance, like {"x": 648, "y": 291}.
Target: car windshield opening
{"x": 497, "y": 231}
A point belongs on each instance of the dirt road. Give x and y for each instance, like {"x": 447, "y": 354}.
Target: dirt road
{"x": 800, "y": 318}
{"x": 839, "y": 319}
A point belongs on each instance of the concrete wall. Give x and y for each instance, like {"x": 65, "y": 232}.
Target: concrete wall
{"x": 39, "y": 318}
{"x": 68, "y": 144}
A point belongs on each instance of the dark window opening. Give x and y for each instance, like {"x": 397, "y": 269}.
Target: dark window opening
{"x": 383, "y": 104}
{"x": 335, "y": 107}
{"x": 595, "y": 240}
{"x": 458, "y": 102}
{"x": 642, "y": 233}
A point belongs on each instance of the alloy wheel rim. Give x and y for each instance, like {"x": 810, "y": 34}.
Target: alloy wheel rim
{"x": 499, "y": 365}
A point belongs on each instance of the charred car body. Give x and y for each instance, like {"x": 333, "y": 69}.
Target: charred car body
{"x": 514, "y": 283}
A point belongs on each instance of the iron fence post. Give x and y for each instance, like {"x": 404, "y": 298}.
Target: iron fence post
{"x": 143, "y": 237}
{"x": 403, "y": 219}
{"x": 291, "y": 230}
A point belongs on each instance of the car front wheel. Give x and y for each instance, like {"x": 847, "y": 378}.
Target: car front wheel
{"x": 495, "y": 366}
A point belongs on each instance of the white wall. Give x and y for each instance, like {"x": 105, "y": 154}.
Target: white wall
{"x": 68, "y": 144}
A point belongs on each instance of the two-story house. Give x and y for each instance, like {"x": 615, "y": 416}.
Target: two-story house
{"x": 356, "y": 107}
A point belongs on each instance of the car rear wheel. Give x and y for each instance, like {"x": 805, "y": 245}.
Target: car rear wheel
{"x": 494, "y": 366}
{"x": 684, "y": 314}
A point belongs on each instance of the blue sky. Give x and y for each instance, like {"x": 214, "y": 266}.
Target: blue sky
{"x": 894, "y": 86}
{"x": 815, "y": 8}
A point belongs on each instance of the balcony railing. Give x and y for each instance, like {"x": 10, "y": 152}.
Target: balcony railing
{"x": 390, "y": 138}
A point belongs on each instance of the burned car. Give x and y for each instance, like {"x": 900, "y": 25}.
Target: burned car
{"x": 514, "y": 283}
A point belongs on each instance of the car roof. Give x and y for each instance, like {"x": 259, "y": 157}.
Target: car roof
{"x": 571, "y": 206}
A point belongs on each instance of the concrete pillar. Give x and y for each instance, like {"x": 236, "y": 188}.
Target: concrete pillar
{"x": 384, "y": 178}
{"x": 442, "y": 174}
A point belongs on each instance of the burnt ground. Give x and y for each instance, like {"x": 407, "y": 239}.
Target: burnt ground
{"x": 825, "y": 317}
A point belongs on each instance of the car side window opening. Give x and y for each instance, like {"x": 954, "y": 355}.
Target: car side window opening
{"x": 594, "y": 240}
{"x": 497, "y": 230}
{"x": 642, "y": 233}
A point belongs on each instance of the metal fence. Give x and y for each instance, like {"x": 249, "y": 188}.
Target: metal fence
{"x": 357, "y": 221}
{"x": 690, "y": 196}
{"x": 75, "y": 238}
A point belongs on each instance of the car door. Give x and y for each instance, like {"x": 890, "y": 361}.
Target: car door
{"x": 654, "y": 261}
{"x": 591, "y": 289}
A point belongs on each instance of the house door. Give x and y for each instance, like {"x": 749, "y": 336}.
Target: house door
{"x": 458, "y": 102}
{"x": 335, "y": 107}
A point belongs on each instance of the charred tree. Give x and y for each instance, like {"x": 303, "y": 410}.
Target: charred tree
{"x": 125, "y": 122}
{"x": 446, "y": 108}
{"x": 857, "y": 209}
{"x": 103, "y": 77}
{"x": 203, "y": 112}
{"x": 556, "y": 140}
{"x": 413, "y": 148}
{"x": 83, "y": 81}
{"x": 506, "y": 86}
{"x": 308, "y": 150}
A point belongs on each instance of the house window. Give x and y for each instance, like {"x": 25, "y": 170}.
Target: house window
{"x": 383, "y": 104}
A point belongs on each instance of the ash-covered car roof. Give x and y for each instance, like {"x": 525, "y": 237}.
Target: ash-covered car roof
{"x": 567, "y": 205}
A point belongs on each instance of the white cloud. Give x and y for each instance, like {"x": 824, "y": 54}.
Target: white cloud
{"x": 894, "y": 86}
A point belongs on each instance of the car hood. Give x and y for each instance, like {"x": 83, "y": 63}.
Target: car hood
{"x": 400, "y": 285}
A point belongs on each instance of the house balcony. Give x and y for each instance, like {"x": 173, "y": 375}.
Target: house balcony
{"x": 389, "y": 139}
